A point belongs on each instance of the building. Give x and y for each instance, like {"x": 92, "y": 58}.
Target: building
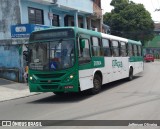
{"x": 18, "y": 18}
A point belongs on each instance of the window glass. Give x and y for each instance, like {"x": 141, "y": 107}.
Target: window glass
{"x": 95, "y": 46}
{"x": 55, "y": 20}
{"x": 54, "y": 55}
{"x": 135, "y": 50}
{"x": 115, "y": 48}
{"x": 84, "y": 53}
{"x": 106, "y": 47}
{"x": 139, "y": 51}
{"x": 95, "y": 41}
{"x": 123, "y": 49}
{"x": 35, "y": 16}
{"x": 130, "y": 50}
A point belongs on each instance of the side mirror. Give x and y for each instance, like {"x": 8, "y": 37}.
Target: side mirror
{"x": 82, "y": 44}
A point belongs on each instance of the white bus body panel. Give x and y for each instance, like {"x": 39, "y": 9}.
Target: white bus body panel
{"x": 86, "y": 79}
{"x": 137, "y": 67}
{"x": 110, "y": 72}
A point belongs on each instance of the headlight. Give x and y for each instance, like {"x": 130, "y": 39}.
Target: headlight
{"x": 30, "y": 77}
{"x": 69, "y": 78}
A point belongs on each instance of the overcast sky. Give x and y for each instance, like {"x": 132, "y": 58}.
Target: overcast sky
{"x": 150, "y": 5}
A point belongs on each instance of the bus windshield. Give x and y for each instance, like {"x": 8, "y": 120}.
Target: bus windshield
{"x": 52, "y": 55}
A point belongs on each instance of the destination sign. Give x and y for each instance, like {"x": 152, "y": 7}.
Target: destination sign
{"x": 51, "y": 34}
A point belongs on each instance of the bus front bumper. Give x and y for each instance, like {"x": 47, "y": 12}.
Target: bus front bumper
{"x": 54, "y": 87}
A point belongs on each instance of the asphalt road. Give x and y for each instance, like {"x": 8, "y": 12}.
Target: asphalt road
{"x": 138, "y": 99}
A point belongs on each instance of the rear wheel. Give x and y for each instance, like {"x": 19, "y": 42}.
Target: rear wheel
{"x": 130, "y": 74}
{"x": 97, "y": 83}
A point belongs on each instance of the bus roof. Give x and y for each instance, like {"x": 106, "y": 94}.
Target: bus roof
{"x": 77, "y": 29}
{"x": 95, "y": 33}
{"x": 86, "y": 31}
{"x": 134, "y": 42}
{"x": 112, "y": 37}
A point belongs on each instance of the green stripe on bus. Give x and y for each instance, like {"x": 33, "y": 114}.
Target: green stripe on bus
{"x": 135, "y": 59}
{"x": 96, "y": 62}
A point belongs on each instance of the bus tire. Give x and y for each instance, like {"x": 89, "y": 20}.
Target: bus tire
{"x": 130, "y": 74}
{"x": 97, "y": 83}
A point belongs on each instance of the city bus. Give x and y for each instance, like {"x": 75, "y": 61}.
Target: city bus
{"x": 71, "y": 59}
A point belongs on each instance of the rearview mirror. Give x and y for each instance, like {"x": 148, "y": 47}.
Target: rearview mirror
{"x": 82, "y": 43}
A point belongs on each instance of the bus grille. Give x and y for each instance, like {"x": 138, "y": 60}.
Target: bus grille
{"x": 49, "y": 75}
{"x": 52, "y": 81}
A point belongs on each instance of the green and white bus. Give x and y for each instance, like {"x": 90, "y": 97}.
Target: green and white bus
{"x": 70, "y": 59}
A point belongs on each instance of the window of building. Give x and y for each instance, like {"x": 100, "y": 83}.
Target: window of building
{"x": 35, "y": 16}
{"x": 115, "y": 48}
{"x": 106, "y": 47}
{"x": 72, "y": 23}
{"x": 55, "y": 20}
{"x": 123, "y": 51}
{"x": 96, "y": 47}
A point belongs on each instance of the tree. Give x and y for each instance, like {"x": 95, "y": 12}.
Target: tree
{"x": 130, "y": 20}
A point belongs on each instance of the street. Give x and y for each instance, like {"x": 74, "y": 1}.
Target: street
{"x": 138, "y": 99}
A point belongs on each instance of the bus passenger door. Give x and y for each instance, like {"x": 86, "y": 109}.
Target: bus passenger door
{"x": 84, "y": 60}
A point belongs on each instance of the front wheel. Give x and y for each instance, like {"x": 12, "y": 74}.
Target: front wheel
{"x": 97, "y": 83}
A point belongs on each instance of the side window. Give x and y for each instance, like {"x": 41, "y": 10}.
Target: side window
{"x": 130, "y": 50}
{"x": 123, "y": 51}
{"x": 84, "y": 53}
{"x": 115, "y": 48}
{"x": 139, "y": 51}
{"x": 95, "y": 46}
{"x": 135, "y": 50}
{"x": 106, "y": 47}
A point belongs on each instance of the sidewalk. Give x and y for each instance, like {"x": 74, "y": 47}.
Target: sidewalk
{"x": 11, "y": 90}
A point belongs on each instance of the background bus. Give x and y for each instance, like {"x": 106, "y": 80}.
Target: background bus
{"x": 73, "y": 59}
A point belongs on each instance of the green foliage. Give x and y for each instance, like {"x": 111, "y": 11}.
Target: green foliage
{"x": 130, "y": 20}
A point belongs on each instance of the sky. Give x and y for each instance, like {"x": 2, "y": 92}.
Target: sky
{"x": 150, "y": 5}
